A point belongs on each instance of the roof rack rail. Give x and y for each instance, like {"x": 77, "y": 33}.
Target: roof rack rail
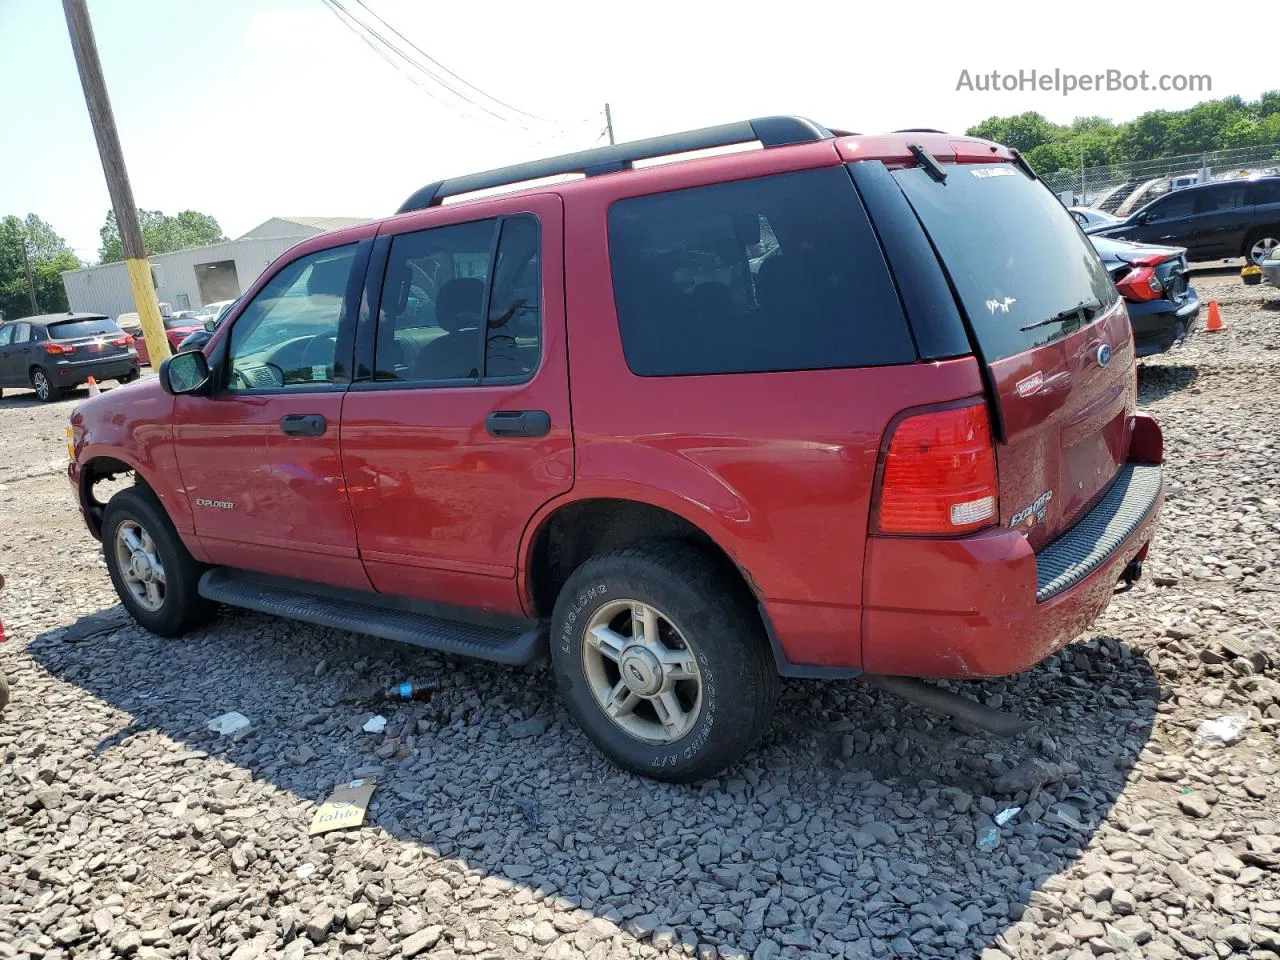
{"x": 769, "y": 131}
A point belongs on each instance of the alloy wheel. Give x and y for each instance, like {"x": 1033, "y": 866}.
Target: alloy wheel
{"x": 1262, "y": 248}
{"x": 642, "y": 672}
{"x": 42, "y": 385}
{"x": 140, "y": 565}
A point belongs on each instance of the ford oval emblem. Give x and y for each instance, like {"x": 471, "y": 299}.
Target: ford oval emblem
{"x": 1104, "y": 355}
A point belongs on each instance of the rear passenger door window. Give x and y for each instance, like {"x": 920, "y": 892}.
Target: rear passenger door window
{"x": 1220, "y": 199}
{"x": 774, "y": 273}
{"x": 461, "y": 304}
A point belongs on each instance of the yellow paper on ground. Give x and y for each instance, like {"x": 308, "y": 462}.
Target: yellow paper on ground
{"x": 345, "y": 807}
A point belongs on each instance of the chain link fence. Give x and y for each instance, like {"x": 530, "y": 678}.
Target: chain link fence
{"x": 1122, "y": 187}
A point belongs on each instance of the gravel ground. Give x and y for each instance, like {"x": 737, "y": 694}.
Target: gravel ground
{"x": 497, "y": 831}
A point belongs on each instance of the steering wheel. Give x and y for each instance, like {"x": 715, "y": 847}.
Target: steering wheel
{"x": 323, "y": 343}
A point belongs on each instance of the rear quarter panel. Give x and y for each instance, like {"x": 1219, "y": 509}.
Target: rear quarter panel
{"x": 777, "y": 468}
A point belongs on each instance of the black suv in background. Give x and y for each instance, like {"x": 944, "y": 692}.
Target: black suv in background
{"x": 1233, "y": 218}
{"x": 57, "y": 351}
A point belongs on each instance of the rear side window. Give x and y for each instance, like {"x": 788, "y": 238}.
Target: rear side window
{"x": 71, "y": 329}
{"x": 1015, "y": 256}
{"x": 775, "y": 273}
{"x": 1264, "y": 192}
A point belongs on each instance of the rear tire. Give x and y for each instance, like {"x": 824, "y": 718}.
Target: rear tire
{"x": 43, "y": 385}
{"x": 128, "y": 378}
{"x": 4, "y": 691}
{"x": 1260, "y": 243}
{"x": 154, "y": 575}
{"x": 688, "y": 701}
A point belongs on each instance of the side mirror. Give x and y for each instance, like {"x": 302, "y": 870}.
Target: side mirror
{"x": 1143, "y": 217}
{"x": 211, "y": 324}
{"x": 184, "y": 373}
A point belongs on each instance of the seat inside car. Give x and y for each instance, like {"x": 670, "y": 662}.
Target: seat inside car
{"x": 454, "y": 356}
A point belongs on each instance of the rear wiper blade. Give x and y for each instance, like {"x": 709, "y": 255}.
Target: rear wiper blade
{"x": 1090, "y": 303}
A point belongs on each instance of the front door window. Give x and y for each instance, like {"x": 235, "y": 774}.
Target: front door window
{"x": 287, "y": 337}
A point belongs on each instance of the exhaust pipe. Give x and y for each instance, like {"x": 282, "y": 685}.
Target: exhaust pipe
{"x": 969, "y": 713}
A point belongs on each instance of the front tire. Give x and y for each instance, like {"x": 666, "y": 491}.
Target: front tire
{"x": 42, "y": 384}
{"x": 661, "y": 659}
{"x": 154, "y": 575}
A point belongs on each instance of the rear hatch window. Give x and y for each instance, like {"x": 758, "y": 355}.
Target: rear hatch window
{"x": 1051, "y": 329}
{"x": 77, "y": 329}
{"x": 1014, "y": 254}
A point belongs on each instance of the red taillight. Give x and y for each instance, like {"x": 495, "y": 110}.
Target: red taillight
{"x": 1141, "y": 282}
{"x": 125, "y": 341}
{"x": 56, "y": 349}
{"x": 939, "y": 474}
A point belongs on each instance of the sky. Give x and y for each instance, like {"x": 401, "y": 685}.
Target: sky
{"x": 249, "y": 109}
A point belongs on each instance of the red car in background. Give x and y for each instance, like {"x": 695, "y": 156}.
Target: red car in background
{"x": 176, "y": 329}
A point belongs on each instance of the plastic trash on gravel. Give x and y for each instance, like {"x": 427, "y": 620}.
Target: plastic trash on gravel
{"x": 1004, "y": 816}
{"x": 229, "y": 723}
{"x": 989, "y": 839}
{"x": 1224, "y": 729}
{"x": 375, "y": 725}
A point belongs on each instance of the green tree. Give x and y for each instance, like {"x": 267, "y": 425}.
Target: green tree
{"x": 48, "y": 255}
{"x": 1024, "y": 132}
{"x": 161, "y": 233}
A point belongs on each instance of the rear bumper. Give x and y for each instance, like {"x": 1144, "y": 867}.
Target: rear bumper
{"x": 1159, "y": 324}
{"x": 986, "y": 605}
{"x": 69, "y": 373}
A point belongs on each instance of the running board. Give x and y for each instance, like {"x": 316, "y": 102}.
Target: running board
{"x": 496, "y": 644}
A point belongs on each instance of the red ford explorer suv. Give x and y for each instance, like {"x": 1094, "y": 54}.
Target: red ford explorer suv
{"x": 841, "y": 404}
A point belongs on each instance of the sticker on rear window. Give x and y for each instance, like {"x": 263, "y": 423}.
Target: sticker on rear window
{"x": 983, "y": 172}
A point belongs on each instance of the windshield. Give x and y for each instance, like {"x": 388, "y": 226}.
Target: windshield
{"x": 71, "y": 329}
{"x": 1014, "y": 254}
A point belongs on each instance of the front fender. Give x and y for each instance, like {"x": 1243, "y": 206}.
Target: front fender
{"x": 132, "y": 426}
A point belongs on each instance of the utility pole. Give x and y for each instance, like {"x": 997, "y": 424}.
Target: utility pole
{"x": 104, "y": 130}
{"x": 608, "y": 123}
{"x": 31, "y": 284}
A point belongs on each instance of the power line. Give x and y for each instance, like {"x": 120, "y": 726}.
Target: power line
{"x": 334, "y": 7}
{"x": 357, "y": 23}
{"x": 488, "y": 96}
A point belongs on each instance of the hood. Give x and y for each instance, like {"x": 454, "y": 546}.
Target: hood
{"x": 121, "y": 405}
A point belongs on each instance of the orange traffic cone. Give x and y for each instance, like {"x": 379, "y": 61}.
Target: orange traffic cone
{"x": 94, "y": 389}
{"x": 1215, "y": 318}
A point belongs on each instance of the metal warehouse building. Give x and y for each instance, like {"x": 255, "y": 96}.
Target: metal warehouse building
{"x": 189, "y": 279}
